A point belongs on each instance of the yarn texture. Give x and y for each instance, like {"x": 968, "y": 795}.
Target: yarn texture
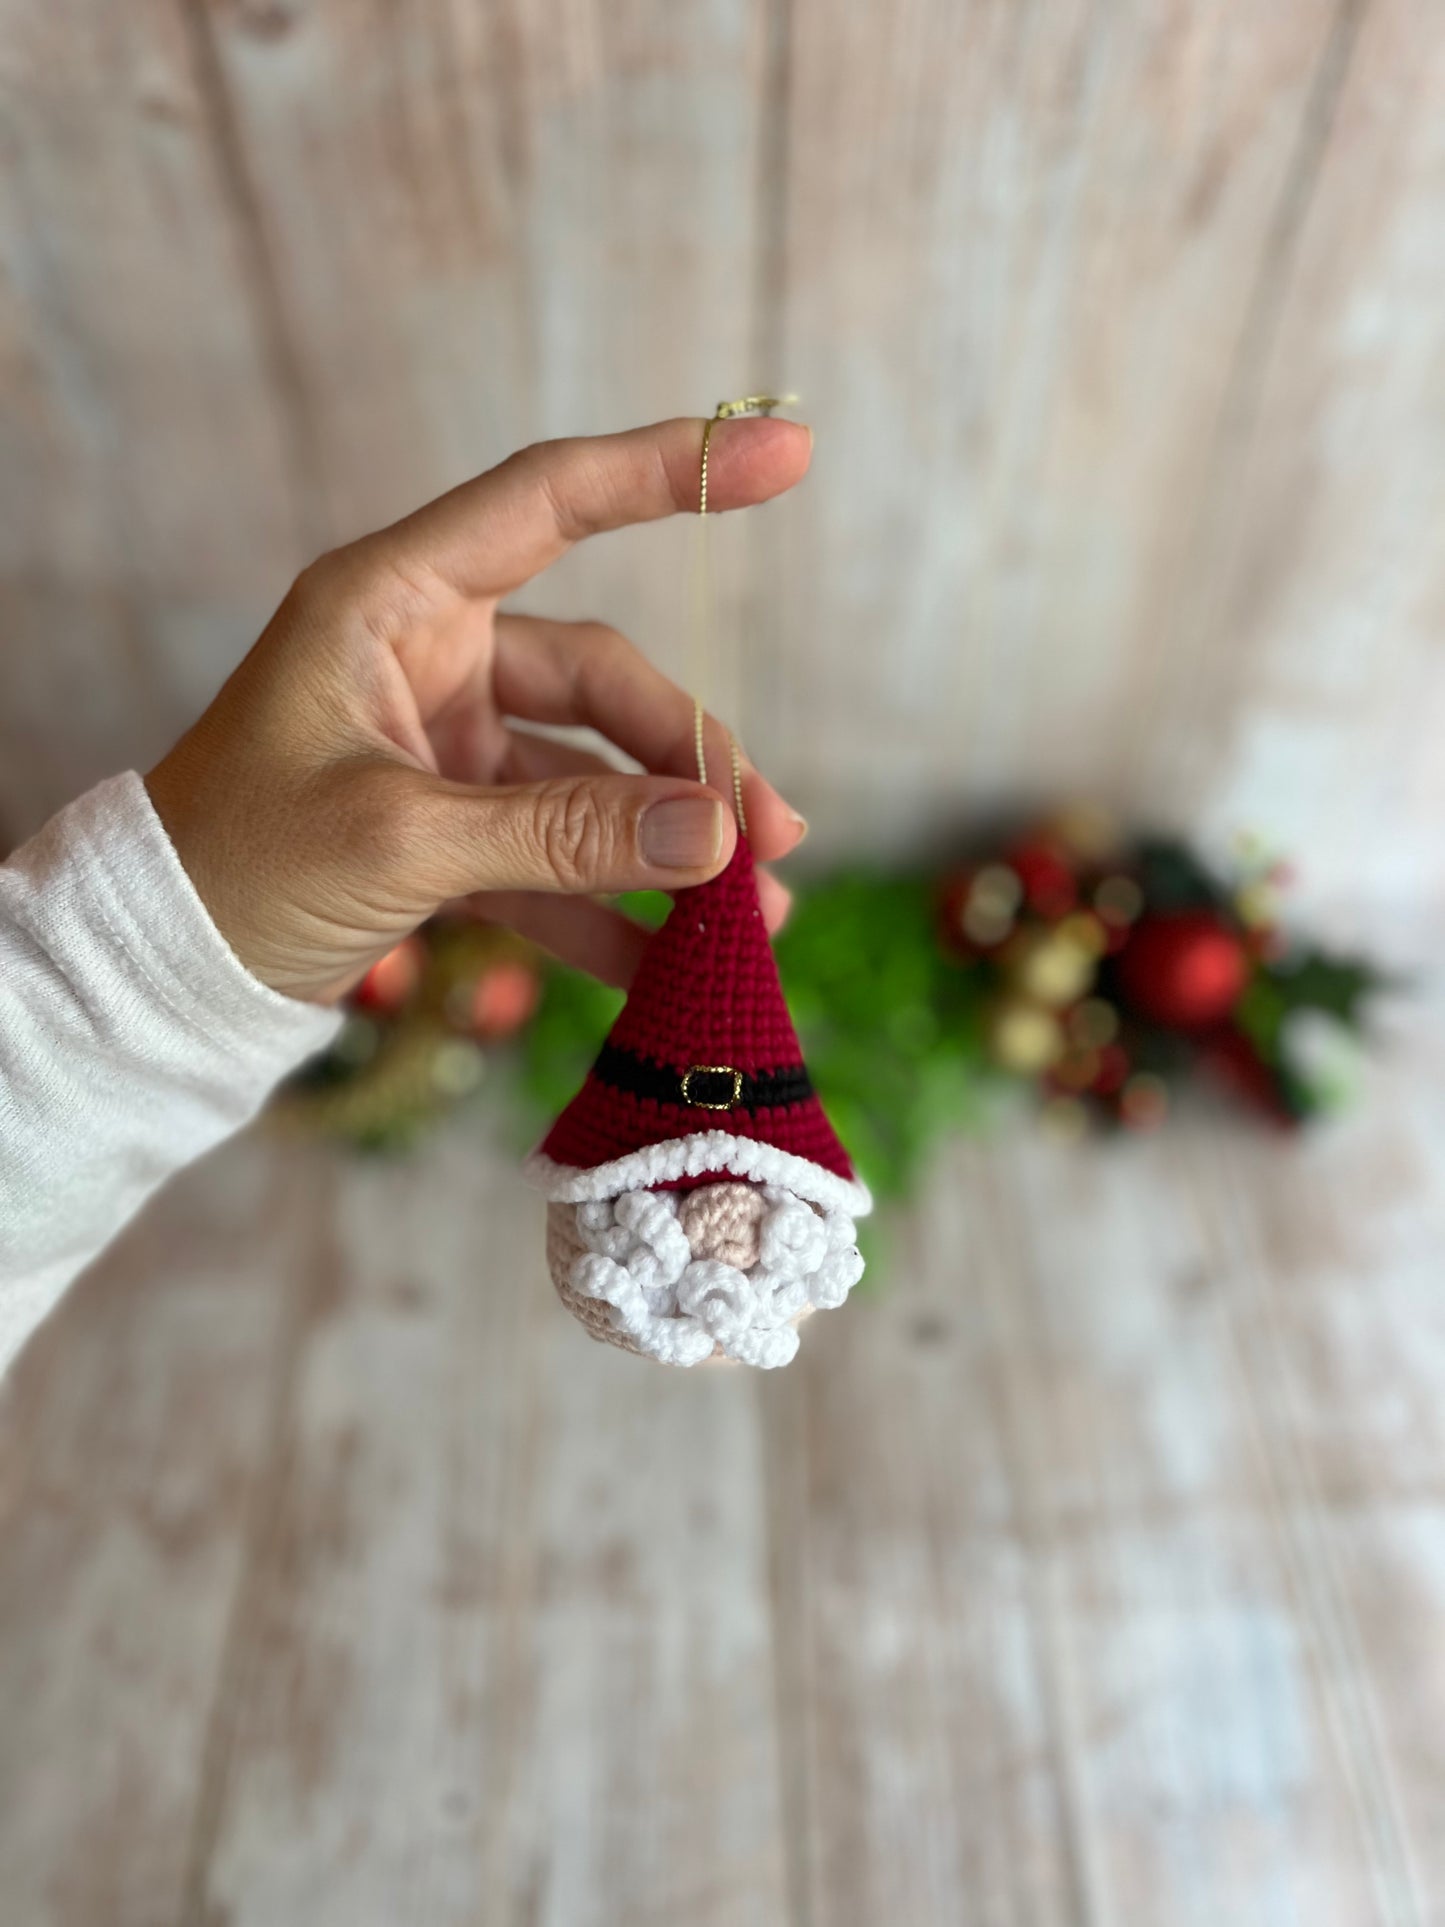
{"x": 706, "y": 994}
{"x": 657, "y": 1271}
{"x": 724, "y": 1221}
{"x": 700, "y": 1203}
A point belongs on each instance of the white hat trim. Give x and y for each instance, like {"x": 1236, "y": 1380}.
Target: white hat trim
{"x": 690, "y": 1157}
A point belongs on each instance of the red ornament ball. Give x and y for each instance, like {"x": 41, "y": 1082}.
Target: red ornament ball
{"x": 1182, "y": 970}
{"x": 392, "y": 979}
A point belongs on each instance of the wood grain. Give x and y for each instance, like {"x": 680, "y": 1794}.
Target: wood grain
{"x": 1090, "y": 1575}
{"x": 1087, "y": 1572}
{"x": 1116, "y": 328}
{"x": 151, "y": 500}
{"x": 1017, "y": 288}
{"x": 505, "y": 1652}
{"x": 1125, "y": 1683}
{"x": 1307, "y": 661}
{"x": 130, "y": 1440}
{"x": 551, "y": 214}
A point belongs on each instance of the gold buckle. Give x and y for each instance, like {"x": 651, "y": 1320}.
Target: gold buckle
{"x": 712, "y": 1070}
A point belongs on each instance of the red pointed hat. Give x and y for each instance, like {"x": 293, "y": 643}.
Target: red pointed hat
{"x": 702, "y": 1076}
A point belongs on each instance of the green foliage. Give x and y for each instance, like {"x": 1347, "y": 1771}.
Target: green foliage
{"x": 891, "y": 1029}
{"x": 647, "y": 907}
{"x": 1309, "y": 980}
{"x": 564, "y": 1036}
{"x": 1303, "y": 980}
{"x": 892, "y": 1026}
{"x": 570, "y": 1025}
{"x": 1314, "y": 980}
{"x": 1173, "y": 878}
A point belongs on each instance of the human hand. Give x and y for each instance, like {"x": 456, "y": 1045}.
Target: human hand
{"x": 359, "y": 768}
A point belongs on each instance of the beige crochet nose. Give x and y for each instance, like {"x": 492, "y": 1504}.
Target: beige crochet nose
{"x": 724, "y": 1222}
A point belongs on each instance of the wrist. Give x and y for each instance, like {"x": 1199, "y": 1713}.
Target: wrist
{"x": 190, "y": 798}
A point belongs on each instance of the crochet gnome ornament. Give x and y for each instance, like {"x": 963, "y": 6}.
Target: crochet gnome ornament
{"x": 699, "y": 1203}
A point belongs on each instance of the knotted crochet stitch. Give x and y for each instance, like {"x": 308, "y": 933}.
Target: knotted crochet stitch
{"x": 701, "y": 1203}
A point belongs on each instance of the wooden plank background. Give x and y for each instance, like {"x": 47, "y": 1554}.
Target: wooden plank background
{"x": 1092, "y": 1572}
{"x": 1118, "y": 328}
{"x": 1089, "y": 1572}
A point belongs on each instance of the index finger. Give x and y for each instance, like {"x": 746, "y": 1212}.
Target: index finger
{"x": 492, "y": 534}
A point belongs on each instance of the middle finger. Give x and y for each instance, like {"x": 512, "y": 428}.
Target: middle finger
{"x": 585, "y": 673}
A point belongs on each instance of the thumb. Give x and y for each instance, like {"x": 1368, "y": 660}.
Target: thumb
{"x": 579, "y": 834}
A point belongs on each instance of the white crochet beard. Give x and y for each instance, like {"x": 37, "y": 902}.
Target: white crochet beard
{"x": 679, "y": 1308}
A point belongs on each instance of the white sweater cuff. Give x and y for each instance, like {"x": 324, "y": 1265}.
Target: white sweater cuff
{"x": 155, "y": 930}
{"x": 132, "y": 1038}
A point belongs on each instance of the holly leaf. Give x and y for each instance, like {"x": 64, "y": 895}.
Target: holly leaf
{"x": 1172, "y": 877}
{"x": 1316, "y": 980}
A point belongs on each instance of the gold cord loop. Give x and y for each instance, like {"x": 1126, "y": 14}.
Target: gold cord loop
{"x": 737, "y": 762}
{"x": 735, "y": 756}
{"x": 753, "y": 405}
{"x": 727, "y": 411}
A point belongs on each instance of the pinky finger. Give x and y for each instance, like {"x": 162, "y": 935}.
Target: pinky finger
{"x": 588, "y": 935}
{"x": 577, "y": 930}
{"x": 776, "y": 900}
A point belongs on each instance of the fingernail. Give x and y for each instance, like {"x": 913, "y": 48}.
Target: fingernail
{"x": 800, "y": 824}
{"x": 685, "y": 834}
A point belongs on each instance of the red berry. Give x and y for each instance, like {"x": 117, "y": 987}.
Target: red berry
{"x": 1051, "y": 889}
{"x": 504, "y": 998}
{"x": 1114, "y": 1068}
{"x": 391, "y": 979}
{"x": 1235, "y": 1062}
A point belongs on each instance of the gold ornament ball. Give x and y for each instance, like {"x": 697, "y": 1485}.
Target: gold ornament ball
{"x": 1055, "y": 967}
{"x": 992, "y": 903}
{"x": 996, "y": 890}
{"x": 1089, "y": 830}
{"x": 1024, "y": 1038}
{"x": 1256, "y": 906}
{"x": 1084, "y": 929}
{"x": 1093, "y": 1023}
{"x": 1119, "y": 900}
{"x": 457, "y": 1067}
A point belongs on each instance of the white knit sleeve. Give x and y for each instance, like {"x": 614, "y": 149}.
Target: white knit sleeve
{"x": 132, "y": 1039}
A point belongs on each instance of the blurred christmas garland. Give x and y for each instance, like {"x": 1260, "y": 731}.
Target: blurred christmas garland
{"x": 1102, "y": 971}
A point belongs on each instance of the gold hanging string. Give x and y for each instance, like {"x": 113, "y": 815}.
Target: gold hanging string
{"x": 703, "y": 595}
{"x": 735, "y": 758}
